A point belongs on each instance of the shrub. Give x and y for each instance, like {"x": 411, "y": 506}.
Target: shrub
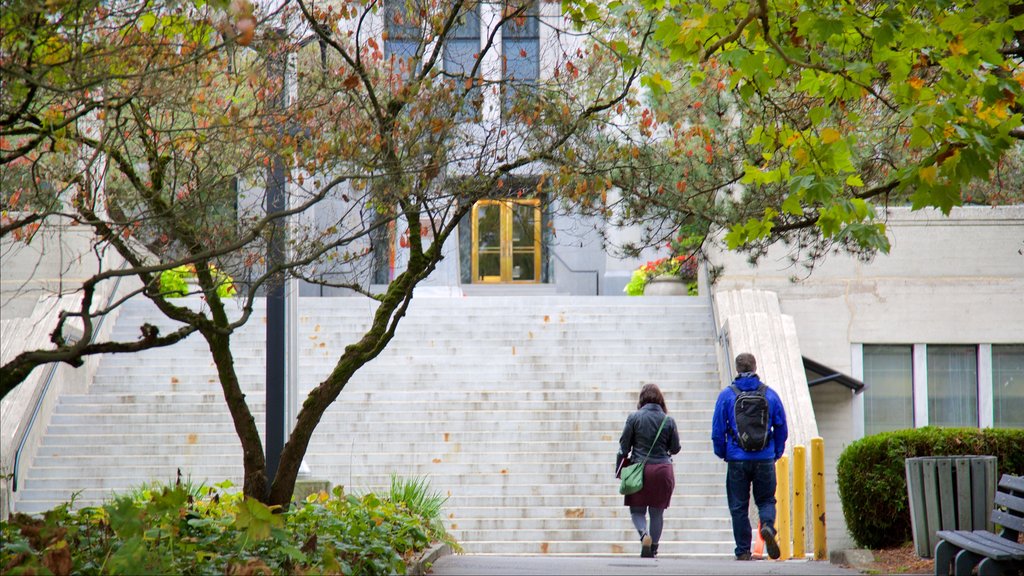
{"x": 174, "y": 282}
{"x": 872, "y": 475}
{"x": 213, "y": 530}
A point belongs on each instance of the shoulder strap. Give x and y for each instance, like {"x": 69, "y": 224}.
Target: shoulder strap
{"x": 651, "y": 449}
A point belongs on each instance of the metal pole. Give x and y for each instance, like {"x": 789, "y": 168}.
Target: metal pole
{"x": 782, "y": 510}
{"x": 818, "y": 497}
{"x": 276, "y": 324}
{"x": 799, "y": 501}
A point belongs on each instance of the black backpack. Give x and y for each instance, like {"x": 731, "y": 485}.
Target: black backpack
{"x": 751, "y": 414}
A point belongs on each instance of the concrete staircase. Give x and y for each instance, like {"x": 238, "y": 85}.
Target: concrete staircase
{"x": 511, "y": 406}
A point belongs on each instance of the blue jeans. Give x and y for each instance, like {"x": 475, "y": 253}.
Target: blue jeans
{"x": 742, "y": 475}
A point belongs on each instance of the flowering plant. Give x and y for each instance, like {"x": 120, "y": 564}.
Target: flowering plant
{"x": 682, "y": 266}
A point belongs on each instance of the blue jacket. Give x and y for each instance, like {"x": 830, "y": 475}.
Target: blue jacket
{"x": 723, "y": 423}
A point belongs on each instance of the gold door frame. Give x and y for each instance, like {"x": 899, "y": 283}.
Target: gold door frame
{"x": 507, "y": 249}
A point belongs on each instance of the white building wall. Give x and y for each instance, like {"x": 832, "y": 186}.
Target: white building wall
{"x": 832, "y": 411}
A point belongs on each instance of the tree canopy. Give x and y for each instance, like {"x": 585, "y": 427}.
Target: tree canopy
{"x": 162, "y": 126}
{"x": 805, "y": 117}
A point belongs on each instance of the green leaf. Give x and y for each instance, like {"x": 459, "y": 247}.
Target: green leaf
{"x": 817, "y": 114}
{"x": 735, "y": 237}
{"x": 257, "y": 519}
{"x": 755, "y": 138}
{"x": 657, "y": 83}
{"x": 147, "y": 21}
{"x": 791, "y": 205}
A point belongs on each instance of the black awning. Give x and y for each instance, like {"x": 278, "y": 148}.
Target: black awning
{"x": 818, "y": 373}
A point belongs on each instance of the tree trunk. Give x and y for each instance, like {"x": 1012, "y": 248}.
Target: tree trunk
{"x": 392, "y": 308}
{"x": 355, "y": 357}
{"x": 253, "y": 459}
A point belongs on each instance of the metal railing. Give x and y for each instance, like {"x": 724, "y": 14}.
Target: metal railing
{"x": 596, "y": 273}
{"x": 52, "y": 371}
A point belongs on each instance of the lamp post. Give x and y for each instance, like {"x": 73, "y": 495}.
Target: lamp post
{"x": 277, "y": 365}
{"x": 282, "y": 367}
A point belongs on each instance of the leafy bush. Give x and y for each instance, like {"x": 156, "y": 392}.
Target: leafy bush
{"x": 174, "y": 282}
{"x": 213, "y": 530}
{"x": 872, "y": 476}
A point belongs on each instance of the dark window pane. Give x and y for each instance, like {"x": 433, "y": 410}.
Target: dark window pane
{"x": 889, "y": 398}
{"x": 953, "y": 385}
{"x": 520, "y": 39}
{"x": 460, "y": 57}
{"x": 1008, "y": 385}
{"x": 489, "y": 264}
{"x": 524, "y": 267}
{"x": 403, "y": 36}
{"x": 526, "y": 25}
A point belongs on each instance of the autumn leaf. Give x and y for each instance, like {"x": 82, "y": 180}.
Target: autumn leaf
{"x": 956, "y": 47}
{"x": 830, "y": 135}
{"x": 929, "y": 174}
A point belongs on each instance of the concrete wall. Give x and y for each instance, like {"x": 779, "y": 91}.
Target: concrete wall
{"x": 946, "y": 280}
{"x": 832, "y": 411}
{"x": 54, "y": 262}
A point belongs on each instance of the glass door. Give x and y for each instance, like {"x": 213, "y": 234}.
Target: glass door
{"x": 506, "y": 241}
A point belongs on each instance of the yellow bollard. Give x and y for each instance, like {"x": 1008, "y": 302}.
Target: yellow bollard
{"x": 799, "y": 500}
{"x": 782, "y": 507}
{"x": 818, "y": 497}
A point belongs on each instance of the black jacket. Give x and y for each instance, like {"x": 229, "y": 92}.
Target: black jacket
{"x": 638, "y": 434}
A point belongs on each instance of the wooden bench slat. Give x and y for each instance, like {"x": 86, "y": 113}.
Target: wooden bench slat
{"x": 1000, "y": 542}
{"x": 1014, "y": 503}
{"x": 976, "y": 542}
{"x": 1010, "y": 482}
{"x": 1008, "y": 520}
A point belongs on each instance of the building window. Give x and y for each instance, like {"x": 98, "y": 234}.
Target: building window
{"x": 889, "y": 397}
{"x": 953, "y": 385}
{"x": 1008, "y": 385}
{"x": 461, "y": 54}
{"x": 520, "y": 40}
{"x": 402, "y": 40}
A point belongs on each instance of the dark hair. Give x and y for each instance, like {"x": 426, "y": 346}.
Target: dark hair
{"x": 745, "y": 362}
{"x": 651, "y": 394}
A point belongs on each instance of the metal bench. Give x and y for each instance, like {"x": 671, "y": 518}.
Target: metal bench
{"x": 962, "y": 550}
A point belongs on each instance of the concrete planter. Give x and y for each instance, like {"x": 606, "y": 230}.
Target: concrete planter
{"x": 666, "y": 286}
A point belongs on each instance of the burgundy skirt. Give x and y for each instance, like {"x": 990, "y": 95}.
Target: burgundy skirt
{"x": 659, "y": 482}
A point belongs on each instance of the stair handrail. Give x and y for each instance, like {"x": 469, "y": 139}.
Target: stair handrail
{"x": 23, "y": 432}
{"x": 596, "y": 273}
{"x": 721, "y": 336}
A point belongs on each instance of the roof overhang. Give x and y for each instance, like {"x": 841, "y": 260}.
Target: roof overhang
{"x": 818, "y": 373}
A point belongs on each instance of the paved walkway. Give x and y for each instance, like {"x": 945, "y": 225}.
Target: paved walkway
{"x": 614, "y": 565}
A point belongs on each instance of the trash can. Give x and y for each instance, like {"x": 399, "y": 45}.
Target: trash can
{"x": 949, "y": 493}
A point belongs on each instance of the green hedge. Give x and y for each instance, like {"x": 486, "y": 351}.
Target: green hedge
{"x": 872, "y": 476}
